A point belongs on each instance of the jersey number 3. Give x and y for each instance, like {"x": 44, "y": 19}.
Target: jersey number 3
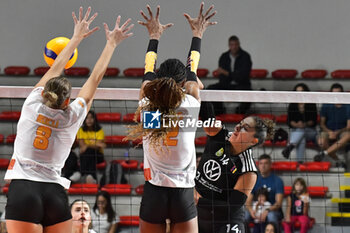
{"x": 41, "y": 140}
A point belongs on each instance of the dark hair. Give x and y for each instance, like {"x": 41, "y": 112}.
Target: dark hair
{"x": 162, "y": 94}
{"x": 303, "y": 85}
{"x": 96, "y": 126}
{"x": 264, "y": 129}
{"x": 338, "y": 86}
{"x": 75, "y": 201}
{"x": 275, "y": 229}
{"x": 264, "y": 156}
{"x": 262, "y": 191}
{"x": 109, "y": 209}
{"x": 56, "y": 91}
{"x": 172, "y": 68}
{"x": 233, "y": 38}
{"x": 302, "y": 182}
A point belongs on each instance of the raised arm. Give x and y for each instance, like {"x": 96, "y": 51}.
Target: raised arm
{"x": 81, "y": 31}
{"x": 114, "y": 38}
{"x": 155, "y": 30}
{"x": 198, "y": 26}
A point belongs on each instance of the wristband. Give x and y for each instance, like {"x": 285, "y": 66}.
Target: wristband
{"x": 151, "y": 56}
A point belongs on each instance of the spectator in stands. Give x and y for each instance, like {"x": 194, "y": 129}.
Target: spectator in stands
{"x": 302, "y": 119}
{"x": 71, "y": 166}
{"x": 104, "y": 218}
{"x": 274, "y": 186}
{"x": 297, "y": 207}
{"x": 335, "y": 120}
{"x": 259, "y": 206}
{"x": 91, "y": 144}
{"x": 81, "y": 217}
{"x": 271, "y": 228}
{"x": 3, "y": 228}
{"x": 234, "y": 74}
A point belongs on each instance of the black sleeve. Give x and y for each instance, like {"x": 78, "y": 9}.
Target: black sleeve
{"x": 150, "y": 60}
{"x": 245, "y": 162}
{"x": 221, "y": 135}
{"x": 311, "y": 113}
{"x": 193, "y": 59}
{"x": 292, "y": 114}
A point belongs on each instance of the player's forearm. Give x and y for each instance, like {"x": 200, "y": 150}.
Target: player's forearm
{"x": 151, "y": 56}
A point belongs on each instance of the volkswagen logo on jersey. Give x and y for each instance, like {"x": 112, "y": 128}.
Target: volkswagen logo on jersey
{"x": 212, "y": 170}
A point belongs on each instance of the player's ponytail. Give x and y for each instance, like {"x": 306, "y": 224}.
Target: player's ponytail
{"x": 164, "y": 95}
{"x": 56, "y": 91}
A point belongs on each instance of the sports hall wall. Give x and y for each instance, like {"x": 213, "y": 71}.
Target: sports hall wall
{"x": 296, "y": 34}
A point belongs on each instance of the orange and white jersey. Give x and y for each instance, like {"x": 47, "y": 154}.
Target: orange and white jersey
{"x": 174, "y": 165}
{"x": 44, "y": 139}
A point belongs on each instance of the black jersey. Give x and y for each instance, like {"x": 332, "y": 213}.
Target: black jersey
{"x": 219, "y": 170}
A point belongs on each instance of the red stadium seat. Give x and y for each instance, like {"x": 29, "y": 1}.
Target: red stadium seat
{"x": 265, "y": 116}
{"x": 314, "y": 191}
{"x": 116, "y": 140}
{"x": 315, "y": 166}
{"x": 282, "y": 118}
{"x": 314, "y": 74}
{"x": 1, "y": 138}
{"x": 77, "y": 71}
{"x": 200, "y": 141}
{"x": 17, "y": 70}
{"x": 40, "y": 71}
{"x": 131, "y": 164}
{"x": 10, "y": 139}
{"x": 284, "y": 74}
{"x": 129, "y": 117}
{"x": 83, "y": 189}
{"x": 4, "y": 163}
{"x": 137, "y": 142}
{"x": 108, "y": 117}
{"x": 10, "y": 116}
{"x": 341, "y": 74}
{"x": 139, "y": 189}
{"x": 202, "y": 72}
{"x": 129, "y": 221}
{"x": 284, "y": 166}
{"x": 134, "y": 72}
{"x": 268, "y": 143}
{"x": 101, "y": 166}
{"x": 141, "y": 165}
{"x": 112, "y": 72}
{"x": 117, "y": 189}
{"x": 215, "y": 74}
{"x": 230, "y": 118}
{"x": 5, "y": 189}
{"x": 318, "y": 191}
{"x": 258, "y": 73}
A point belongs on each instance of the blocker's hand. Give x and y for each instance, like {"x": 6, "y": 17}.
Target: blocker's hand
{"x": 154, "y": 27}
{"x": 200, "y": 24}
{"x": 81, "y": 25}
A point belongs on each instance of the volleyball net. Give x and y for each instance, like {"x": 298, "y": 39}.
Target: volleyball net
{"x": 115, "y": 108}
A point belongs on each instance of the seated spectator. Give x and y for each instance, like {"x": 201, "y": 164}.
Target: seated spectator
{"x": 81, "y": 217}
{"x": 259, "y": 207}
{"x": 3, "y": 228}
{"x": 302, "y": 120}
{"x": 104, "y": 218}
{"x": 335, "y": 119}
{"x": 234, "y": 74}
{"x": 271, "y": 228}
{"x": 274, "y": 185}
{"x": 297, "y": 207}
{"x": 71, "y": 167}
{"x": 91, "y": 144}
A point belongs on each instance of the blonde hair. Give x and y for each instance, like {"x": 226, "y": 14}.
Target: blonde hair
{"x": 56, "y": 91}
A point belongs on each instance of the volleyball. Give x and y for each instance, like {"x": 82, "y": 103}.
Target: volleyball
{"x": 54, "y": 47}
